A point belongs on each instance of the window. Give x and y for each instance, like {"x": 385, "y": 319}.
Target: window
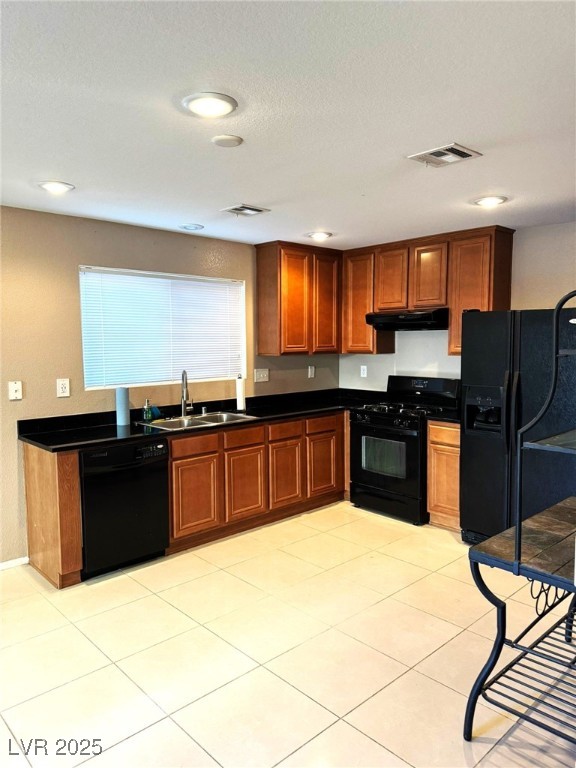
{"x": 147, "y": 327}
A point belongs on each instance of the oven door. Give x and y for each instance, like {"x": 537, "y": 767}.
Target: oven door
{"x": 386, "y": 458}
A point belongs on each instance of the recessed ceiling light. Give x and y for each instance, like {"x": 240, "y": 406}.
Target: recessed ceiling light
{"x": 56, "y": 187}
{"x": 192, "y": 227}
{"x": 318, "y": 236}
{"x": 225, "y": 140}
{"x": 490, "y": 202}
{"x": 210, "y": 104}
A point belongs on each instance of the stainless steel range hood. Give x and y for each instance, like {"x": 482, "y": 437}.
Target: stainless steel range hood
{"x": 410, "y": 320}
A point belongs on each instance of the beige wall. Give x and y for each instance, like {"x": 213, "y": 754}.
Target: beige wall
{"x": 544, "y": 265}
{"x": 40, "y": 328}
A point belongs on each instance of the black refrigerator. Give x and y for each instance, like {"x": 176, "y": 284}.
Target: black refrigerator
{"x": 506, "y": 375}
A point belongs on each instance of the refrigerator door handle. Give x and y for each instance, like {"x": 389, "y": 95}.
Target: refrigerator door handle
{"x": 512, "y": 420}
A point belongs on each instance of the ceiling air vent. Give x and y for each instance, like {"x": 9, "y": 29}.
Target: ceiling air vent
{"x": 245, "y": 210}
{"x": 451, "y": 153}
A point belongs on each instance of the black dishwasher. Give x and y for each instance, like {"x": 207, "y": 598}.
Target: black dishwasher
{"x": 124, "y": 504}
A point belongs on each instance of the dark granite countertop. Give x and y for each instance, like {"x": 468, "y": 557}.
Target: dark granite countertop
{"x": 548, "y": 541}
{"x": 65, "y": 433}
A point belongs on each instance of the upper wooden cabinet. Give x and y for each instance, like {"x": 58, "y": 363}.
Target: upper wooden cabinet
{"x": 411, "y": 277}
{"x": 479, "y": 276}
{"x": 358, "y": 300}
{"x": 358, "y": 295}
{"x": 298, "y": 299}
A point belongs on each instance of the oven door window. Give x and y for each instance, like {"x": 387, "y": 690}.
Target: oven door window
{"x": 384, "y": 457}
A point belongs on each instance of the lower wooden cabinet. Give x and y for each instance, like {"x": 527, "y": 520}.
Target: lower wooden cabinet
{"x": 231, "y": 480}
{"x": 222, "y": 482}
{"x": 196, "y": 485}
{"x": 54, "y": 518}
{"x": 246, "y": 471}
{"x": 324, "y": 452}
{"x": 444, "y": 474}
{"x": 286, "y": 463}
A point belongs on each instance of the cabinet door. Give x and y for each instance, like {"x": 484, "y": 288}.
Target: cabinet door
{"x": 428, "y": 276}
{"x": 295, "y": 267}
{"x": 470, "y": 283}
{"x": 391, "y": 280}
{"x": 358, "y": 298}
{"x": 286, "y": 472}
{"x": 196, "y": 494}
{"x": 444, "y": 475}
{"x": 325, "y": 303}
{"x": 245, "y": 482}
{"x": 322, "y": 453}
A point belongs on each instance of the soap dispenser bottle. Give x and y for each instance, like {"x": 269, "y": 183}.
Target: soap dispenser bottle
{"x": 147, "y": 411}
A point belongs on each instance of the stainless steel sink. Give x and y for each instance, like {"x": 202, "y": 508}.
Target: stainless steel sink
{"x": 197, "y": 422}
{"x": 223, "y": 417}
{"x": 187, "y": 422}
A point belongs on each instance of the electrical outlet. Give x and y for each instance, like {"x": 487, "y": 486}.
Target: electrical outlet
{"x": 363, "y": 371}
{"x": 14, "y": 390}
{"x": 261, "y": 374}
{"x": 62, "y": 387}
{"x": 311, "y": 371}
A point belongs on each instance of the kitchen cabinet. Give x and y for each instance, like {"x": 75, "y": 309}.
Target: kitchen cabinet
{"x": 479, "y": 276}
{"x": 324, "y": 454}
{"x": 197, "y": 484}
{"x": 444, "y": 474}
{"x": 411, "y": 277}
{"x": 53, "y": 519}
{"x": 286, "y": 463}
{"x": 464, "y": 270}
{"x": 358, "y": 301}
{"x": 245, "y": 469}
{"x": 298, "y": 299}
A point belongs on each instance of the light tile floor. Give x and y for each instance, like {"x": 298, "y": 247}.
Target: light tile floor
{"x": 337, "y": 638}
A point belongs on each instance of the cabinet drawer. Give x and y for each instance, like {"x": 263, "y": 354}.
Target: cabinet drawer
{"x": 236, "y": 438}
{"x": 285, "y": 430}
{"x": 193, "y": 446}
{"x": 446, "y": 434}
{"x": 322, "y": 424}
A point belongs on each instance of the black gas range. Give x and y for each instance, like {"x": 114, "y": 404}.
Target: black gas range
{"x": 388, "y": 445}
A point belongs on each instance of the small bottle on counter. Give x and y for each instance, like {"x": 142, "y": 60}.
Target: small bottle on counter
{"x": 147, "y": 411}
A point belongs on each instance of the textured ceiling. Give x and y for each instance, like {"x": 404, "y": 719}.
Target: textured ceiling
{"x": 332, "y": 97}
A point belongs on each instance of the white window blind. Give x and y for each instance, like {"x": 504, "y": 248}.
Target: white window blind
{"x": 147, "y": 327}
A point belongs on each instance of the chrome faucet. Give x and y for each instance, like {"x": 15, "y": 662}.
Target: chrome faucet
{"x": 187, "y": 405}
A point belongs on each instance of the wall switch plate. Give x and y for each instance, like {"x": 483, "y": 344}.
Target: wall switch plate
{"x": 311, "y": 371}
{"x": 261, "y": 374}
{"x": 14, "y": 390}
{"x": 62, "y": 387}
{"x": 363, "y": 371}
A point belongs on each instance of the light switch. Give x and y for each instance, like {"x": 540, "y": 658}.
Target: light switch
{"x": 261, "y": 374}
{"x": 14, "y": 390}
{"x": 311, "y": 371}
